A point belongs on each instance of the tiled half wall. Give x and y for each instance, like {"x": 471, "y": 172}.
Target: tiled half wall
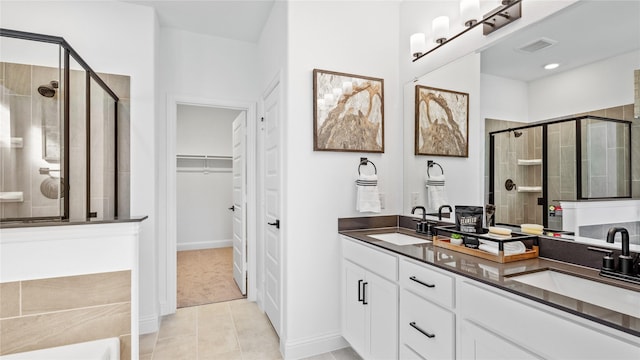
{"x": 44, "y": 313}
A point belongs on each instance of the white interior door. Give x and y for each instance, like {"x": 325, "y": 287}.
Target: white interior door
{"x": 239, "y": 202}
{"x": 272, "y": 237}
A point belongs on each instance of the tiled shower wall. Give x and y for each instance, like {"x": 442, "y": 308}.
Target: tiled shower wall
{"x": 38, "y": 314}
{"x": 24, "y": 112}
{"x": 561, "y": 165}
{"x": 625, "y": 112}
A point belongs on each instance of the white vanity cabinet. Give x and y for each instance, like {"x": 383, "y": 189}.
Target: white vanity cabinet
{"x": 397, "y": 307}
{"x": 427, "y": 318}
{"x": 498, "y": 325}
{"x": 370, "y": 301}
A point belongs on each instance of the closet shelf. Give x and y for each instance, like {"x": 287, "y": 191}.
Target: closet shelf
{"x": 203, "y": 170}
{"x": 528, "y": 162}
{"x": 204, "y": 157}
{"x": 204, "y": 164}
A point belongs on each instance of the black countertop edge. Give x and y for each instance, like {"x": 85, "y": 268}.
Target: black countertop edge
{"x": 504, "y": 271}
{"x": 44, "y": 223}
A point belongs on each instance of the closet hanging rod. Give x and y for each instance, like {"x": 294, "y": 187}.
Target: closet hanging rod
{"x": 205, "y": 157}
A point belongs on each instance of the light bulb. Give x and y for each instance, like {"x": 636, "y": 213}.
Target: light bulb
{"x": 440, "y": 28}
{"x": 418, "y": 44}
{"x": 469, "y": 12}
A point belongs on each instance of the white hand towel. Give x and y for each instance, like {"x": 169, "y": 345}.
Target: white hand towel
{"x": 510, "y": 248}
{"x": 368, "y": 198}
{"x": 436, "y": 193}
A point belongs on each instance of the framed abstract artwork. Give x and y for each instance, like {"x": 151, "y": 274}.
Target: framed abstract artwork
{"x": 442, "y": 122}
{"x": 348, "y": 112}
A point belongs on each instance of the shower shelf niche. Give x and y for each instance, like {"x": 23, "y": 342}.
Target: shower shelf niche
{"x": 530, "y": 189}
{"x": 529, "y": 162}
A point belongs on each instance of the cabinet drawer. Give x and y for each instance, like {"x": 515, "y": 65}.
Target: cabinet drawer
{"x": 385, "y": 265}
{"x": 420, "y": 319}
{"x": 427, "y": 283}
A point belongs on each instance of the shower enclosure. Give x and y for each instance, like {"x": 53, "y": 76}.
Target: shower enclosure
{"x": 533, "y": 167}
{"x": 58, "y": 133}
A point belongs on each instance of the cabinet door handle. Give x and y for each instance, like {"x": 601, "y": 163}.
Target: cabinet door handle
{"x": 364, "y": 293}
{"x": 413, "y": 278}
{"x": 360, "y": 298}
{"x": 413, "y": 325}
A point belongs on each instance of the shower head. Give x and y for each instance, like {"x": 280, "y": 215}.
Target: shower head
{"x": 48, "y": 90}
{"x": 517, "y": 133}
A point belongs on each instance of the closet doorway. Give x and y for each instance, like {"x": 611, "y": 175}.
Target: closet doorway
{"x": 210, "y": 204}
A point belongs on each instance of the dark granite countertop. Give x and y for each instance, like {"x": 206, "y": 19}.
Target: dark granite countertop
{"x": 49, "y": 222}
{"x": 494, "y": 273}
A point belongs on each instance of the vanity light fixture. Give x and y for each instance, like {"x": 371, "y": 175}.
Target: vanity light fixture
{"x": 509, "y": 11}
{"x": 551, "y": 66}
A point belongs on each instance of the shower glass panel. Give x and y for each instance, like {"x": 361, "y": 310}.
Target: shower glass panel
{"x": 58, "y": 132}
{"x": 605, "y": 159}
{"x": 30, "y": 129}
{"x": 103, "y": 153}
{"x": 78, "y": 140}
{"x": 534, "y": 167}
{"x": 561, "y": 168}
{"x": 518, "y": 176}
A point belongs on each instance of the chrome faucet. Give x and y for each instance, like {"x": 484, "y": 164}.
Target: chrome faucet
{"x": 440, "y": 211}
{"x": 625, "y": 259}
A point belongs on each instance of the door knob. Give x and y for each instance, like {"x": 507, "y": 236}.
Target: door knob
{"x": 276, "y": 224}
{"x": 232, "y": 208}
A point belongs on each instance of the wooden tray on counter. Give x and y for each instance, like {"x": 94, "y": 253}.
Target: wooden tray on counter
{"x": 443, "y": 241}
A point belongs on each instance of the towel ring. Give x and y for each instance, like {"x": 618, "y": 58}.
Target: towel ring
{"x": 365, "y": 161}
{"x": 430, "y": 164}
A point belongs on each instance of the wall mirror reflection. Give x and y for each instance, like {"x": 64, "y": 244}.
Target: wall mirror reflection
{"x": 594, "y": 76}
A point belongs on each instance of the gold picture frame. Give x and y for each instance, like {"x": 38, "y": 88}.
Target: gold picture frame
{"x": 348, "y": 112}
{"x": 441, "y": 122}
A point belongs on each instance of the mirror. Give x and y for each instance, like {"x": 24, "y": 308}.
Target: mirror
{"x": 597, "y": 47}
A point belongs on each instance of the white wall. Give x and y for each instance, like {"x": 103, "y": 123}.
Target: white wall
{"x": 600, "y": 85}
{"x": 126, "y": 47}
{"x": 503, "y": 99}
{"x": 462, "y": 174}
{"x": 351, "y": 37}
{"x": 204, "y": 130}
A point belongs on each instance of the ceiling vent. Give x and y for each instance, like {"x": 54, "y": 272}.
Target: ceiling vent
{"x": 537, "y": 45}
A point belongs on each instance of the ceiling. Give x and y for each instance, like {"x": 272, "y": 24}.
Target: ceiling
{"x": 237, "y": 19}
{"x": 586, "y": 32}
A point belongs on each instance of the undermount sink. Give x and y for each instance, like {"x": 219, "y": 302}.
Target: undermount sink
{"x": 400, "y": 239}
{"x": 589, "y": 291}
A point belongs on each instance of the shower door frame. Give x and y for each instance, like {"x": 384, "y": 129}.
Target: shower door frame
{"x": 90, "y": 74}
{"x": 578, "y": 139}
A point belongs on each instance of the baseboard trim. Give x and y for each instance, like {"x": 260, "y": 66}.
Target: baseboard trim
{"x": 312, "y": 346}
{"x": 198, "y": 245}
{"x": 149, "y": 324}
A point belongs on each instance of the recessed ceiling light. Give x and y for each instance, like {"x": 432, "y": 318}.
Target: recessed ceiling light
{"x": 551, "y": 66}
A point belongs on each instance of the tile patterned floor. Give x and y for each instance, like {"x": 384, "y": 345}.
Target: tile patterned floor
{"x": 228, "y": 330}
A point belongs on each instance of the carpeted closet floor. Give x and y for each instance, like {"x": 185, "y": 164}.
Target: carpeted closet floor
{"x": 206, "y": 276}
